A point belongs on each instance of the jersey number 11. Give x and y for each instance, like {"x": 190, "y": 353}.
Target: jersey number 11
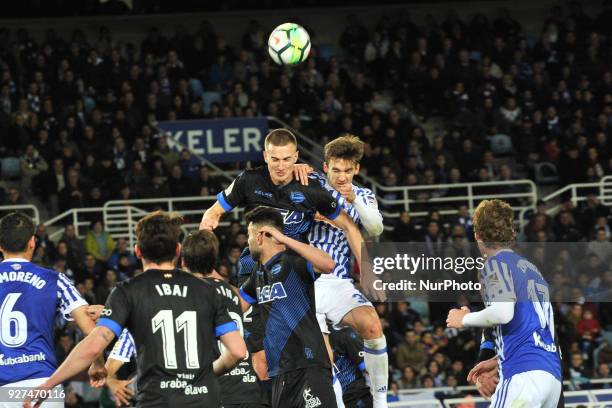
{"x": 187, "y": 322}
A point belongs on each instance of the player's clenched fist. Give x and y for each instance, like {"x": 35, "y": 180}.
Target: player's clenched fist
{"x": 208, "y": 224}
{"x": 455, "y": 317}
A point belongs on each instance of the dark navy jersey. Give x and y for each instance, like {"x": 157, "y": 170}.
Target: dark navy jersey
{"x": 297, "y": 203}
{"x": 240, "y": 385}
{"x": 174, "y": 319}
{"x": 348, "y": 358}
{"x": 284, "y": 289}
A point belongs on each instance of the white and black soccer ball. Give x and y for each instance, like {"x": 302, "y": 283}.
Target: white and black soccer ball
{"x": 289, "y": 44}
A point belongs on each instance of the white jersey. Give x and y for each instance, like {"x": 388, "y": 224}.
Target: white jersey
{"x": 331, "y": 239}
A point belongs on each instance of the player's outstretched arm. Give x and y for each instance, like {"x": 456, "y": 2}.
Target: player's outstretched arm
{"x": 496, "y": 313}
{"x": 79, "y": 358}
{"x": 353, "y": 235}
{"x": 211, "y": 217}
{"x": 235, "y": 351}
{"x": 320, "y": 260}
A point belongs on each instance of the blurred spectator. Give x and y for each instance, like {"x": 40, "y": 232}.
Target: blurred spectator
{"x": 98, "y": 242}
{"x": 121, "y": 250}
{"x": 104, "y": 289}
{"x": 409, "y": 379}
{"x": 411, "y": 352}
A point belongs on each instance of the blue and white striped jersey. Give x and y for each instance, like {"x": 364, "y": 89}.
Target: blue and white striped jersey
{"x": 124, "y": 349}
{"x": 332, "y": 239}
{"x": 527, "y": 342}
{"x": 30, "y": 298}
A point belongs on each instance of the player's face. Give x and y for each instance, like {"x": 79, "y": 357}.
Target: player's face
{"x": 281, "y": 161}
{"x": 254, "y": 244}
{"x": 340, "y": 172}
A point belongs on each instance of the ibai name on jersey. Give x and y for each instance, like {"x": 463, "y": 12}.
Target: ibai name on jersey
{"x": 21, "y": 276}
{"x": 165, "y": 289}
{"x": 272, "y": 292}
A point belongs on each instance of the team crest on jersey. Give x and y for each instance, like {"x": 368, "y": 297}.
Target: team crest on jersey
{"x": 270, "y": 293}
{"x": 297, "y": 197}
{"x": 16, "y": 266}
{"x": 275, "y": 269}
{"x": 311, "y": 401}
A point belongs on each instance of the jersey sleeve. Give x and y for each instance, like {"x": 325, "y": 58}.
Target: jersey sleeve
{"x": 223, "y": 322}
{"x": 68, "y": 296}
{"x": 496, "y": 278}
{"x": 303, "y": 267}
{"x": 233, "y": 196}
{"x": 325, "y": 202}
{"x": 124, "y": 348}
{"x": 248, "y": 290}
{"x": 487, "y": 347}
{"x": 116, "y": 310}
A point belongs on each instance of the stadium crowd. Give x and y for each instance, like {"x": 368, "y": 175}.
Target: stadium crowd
{"x": 78, "y": 127}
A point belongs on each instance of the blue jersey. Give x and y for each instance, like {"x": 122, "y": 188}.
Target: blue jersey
{"x": 332, "y": 239}
{"x": 30, "y": 297}
{"x": 526, "y": 343}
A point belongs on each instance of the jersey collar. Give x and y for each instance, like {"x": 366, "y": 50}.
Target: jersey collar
{"x": 272, "y": 261}
{"x": 15, "y": 260}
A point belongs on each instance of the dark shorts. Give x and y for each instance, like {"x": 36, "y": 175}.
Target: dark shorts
{"x": 364, "y": 402}
{"x": 304, "y": 388}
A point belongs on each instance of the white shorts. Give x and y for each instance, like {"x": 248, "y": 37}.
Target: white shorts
{"x": 20, "y": 387}
{"x": 531, "y": 389}
{"x": 334, "y": 298}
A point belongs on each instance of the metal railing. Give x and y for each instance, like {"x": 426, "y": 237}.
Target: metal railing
{"x": 120, "y": 216}
{"x": 27, "y": 208}
{"x": 76, "y": 217}
{"x": 447, "y": 198}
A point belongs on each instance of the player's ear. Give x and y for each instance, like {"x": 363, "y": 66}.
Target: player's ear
{"x": 178, "y": 249}
{"x": 265, "y": 155}
{"x": 325, "y": 167}
{"x": 137, "y": 251}
{"x": 32, "y": 243}
{"x": 357, "y": 168}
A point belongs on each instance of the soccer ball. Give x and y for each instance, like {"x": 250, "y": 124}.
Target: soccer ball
{"x": 289, "y": 44}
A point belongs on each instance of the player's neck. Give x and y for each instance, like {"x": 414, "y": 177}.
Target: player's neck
{"x": 154, "y": 265}
{"x": 214, "y": 275}
{"x": 270, "y": 252}
{"x": 18, "y": 255}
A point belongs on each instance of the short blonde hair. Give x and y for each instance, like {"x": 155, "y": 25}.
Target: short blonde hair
{"x": 280, "y": 137}
{"x": 494, "y": 223}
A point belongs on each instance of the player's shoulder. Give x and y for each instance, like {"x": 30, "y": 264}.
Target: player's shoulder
{"x": 259, "y": 171}
{"x": 363, "y": 191}
{"x": 42, "y": 272}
